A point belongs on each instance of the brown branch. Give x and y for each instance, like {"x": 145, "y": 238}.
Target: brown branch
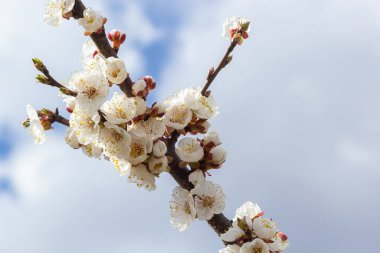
{"x": 103, "y": 45}
{"x": 218, "y": 222}
{"x": 54, "y": 116}
{"x": 214, "y": 72}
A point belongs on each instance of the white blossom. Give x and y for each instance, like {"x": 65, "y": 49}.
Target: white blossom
{"x": 92, "y": 90}
{"x": 256, "y": 246}
{"x": 114, "y": 70}
{"x": 140, "y": 105}
{"x": 280, "y": 243}
{"x": 56, "y": 10}
{"x": 218, "y": 154}
{"x": 203, "y": 107}
{"x": 85, "y": 125}
{"x": 35, "y": 127}
{"x": 142, "y": 177}
{"x": 158, "y": 165}
{"x": 211, "y": 137}
{"x": 92, "y": 150}
{"x": 115, "y": 141}
{"x": 153, "y": 127}
{"x": 71, "y": 138}
{"x": 182, "y": 209}
{"x": 159, "y": 149}
{"x": 123, "y": 167}
{"x": 197, "y": 177}
{"x": 178, "y": 117}
{"x": 232, "y": 25}
{"x": 91, "y": 62}
{"x": 189, "y": 150}
{"x": 120, "y": 109}
{"x": 230, "y": 249}
{"x": 92, "y": 21}
{"x": 233, "y": 233}
{"x": 247, "y": 212}
{"x": 206, "y": 107}
{"x": 209, "y": 200}
{"x": 264, "y": 228}
{"x": 185, "y": 97}
{"x": 141, "y": 145}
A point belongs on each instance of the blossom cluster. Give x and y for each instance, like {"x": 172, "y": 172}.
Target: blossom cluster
{"x": 251, "y": 232}
{"x": 143, "y": 141}
{"x": 204, "y": 201}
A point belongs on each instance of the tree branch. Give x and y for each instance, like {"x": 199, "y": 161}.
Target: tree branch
{"x": 214, "y": 72}
{"x": 49, "y": 80}
{"x": 218, "y": 222}
{"x": 104, "y": 47}
{"x": 54, "y": 116}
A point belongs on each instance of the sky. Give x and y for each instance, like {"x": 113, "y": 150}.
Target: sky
{"x": 299, "y": 116}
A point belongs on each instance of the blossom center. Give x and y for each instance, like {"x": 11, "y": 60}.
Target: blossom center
{"x": 208, "y": 201}
{"x": 91, "y": 93}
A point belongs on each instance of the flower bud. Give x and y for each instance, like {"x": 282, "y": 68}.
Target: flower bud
{"x": 218, "y": 154}
{"x": 45, "y": 122}
{"x": 38, "y": 64}
{"x": 159, "y": 149}
{"x": 150, "y": 83}
{"x": 197, "y": 177}
{"x": 158, "y": 109}
{"x": 211, "y": 139}
{"x": 204, "y": 126}
{"x": 42, "y": 79}
{"x": 117, "y": 37}
{"x": 138, "y": 88}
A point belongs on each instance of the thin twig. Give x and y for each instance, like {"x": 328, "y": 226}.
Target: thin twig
{"x": 214, "y": 72}
{"x": 54, "y": 116}
{"x": 49, "y": 80}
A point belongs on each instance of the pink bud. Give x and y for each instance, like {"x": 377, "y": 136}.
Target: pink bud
{"x": 117, "y": 37}
{"x": 69, "y": 109}
{"x": 150, "y": 82}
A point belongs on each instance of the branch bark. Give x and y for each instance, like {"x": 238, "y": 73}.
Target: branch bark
{"x": 214, "y": 72}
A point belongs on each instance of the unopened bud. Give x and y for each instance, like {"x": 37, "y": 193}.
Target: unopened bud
{"x": 150, "y": 83}
{"x": 218, "y": 154}
{"x": 45, "y": 122}
{"x": 158, "y": 110}
{"x": 245, "y": 26}
{"x": 139, "y": 88}
{"x": 159, "y": 149}
{"x": 42, "y": 79}
{"x": 38, "y": 64}
{"x": 211, "y": 139}
{"x": 26, "y": 123}
{"x": 117, "y": 37}
{"x": 229, "y": 59}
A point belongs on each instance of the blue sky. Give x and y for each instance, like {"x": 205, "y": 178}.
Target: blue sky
{"x": 299, "y": 116}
